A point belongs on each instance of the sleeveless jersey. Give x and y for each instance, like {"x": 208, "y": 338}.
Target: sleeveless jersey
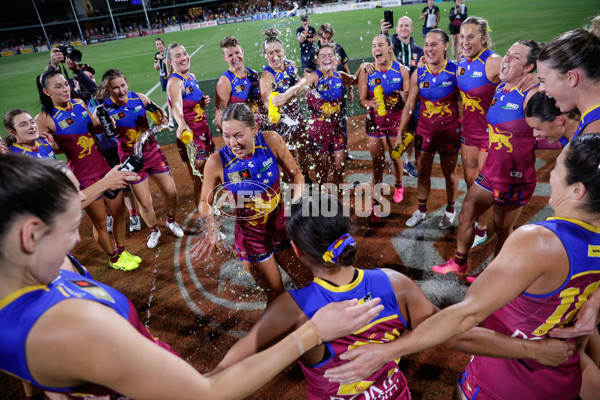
{"x": 324, "y": 100}
{"x": 131, "y": 122}
{"x": 44, "y": 149}
{"x": 511, "y": 155}
{"x": 532, "y": 316}
{"x": 73, "y": 137}
{"x": 256, "y": 190}
{"x": 388, "y": 382}
{"x": 243, "y": 90}
{"x": 21, "y": 310}
{"x": 439, "y": 99}
{"x": 283, "y": 81}
{"x": 193, "y": 113}
{"x": 476, "y": 92}
{"x": 391, "y": 81}
{"x": 589, "y": 116}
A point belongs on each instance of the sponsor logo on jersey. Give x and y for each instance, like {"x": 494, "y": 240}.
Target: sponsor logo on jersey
{"x": 477, "y": 74}
{"x": 446, "y": 83}
{"x": 374, "y": 81}
{"x": 494, "y": 102}
{"x": 118, "y": 116}
{"x": 510, "y": 106}
{"x": 394, "y": 80}
{"x": 92, "y": 289}
{"x": 593, "y": 251}
{"x": 189, "y": 89}
{"x": 461, "y": 70}
{"x": 266, "y": 164}
{"x": 138, "y": 108}
{"x": 239, "y": 176}
{"x": 424, "y": 85}
{"x": 65, "y": 123}
{"x": 240, "y": 88}
{"x": 84, "y": 114}
{"x": 516, "y": 174}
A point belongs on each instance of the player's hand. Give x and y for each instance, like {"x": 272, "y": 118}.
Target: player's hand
{"x": 205, "y": 243}
{"x": 364, "y": 361}
{"x": 205, "y": 101}
{"x": 47, "y": 137}
{"x": 367, "y": 68}
{"x": 181, "y": 128}
{"x": 350, "y": 94}
{"x": 421, "y": 62}
{"x": 553, "y": 352}
{"x": 115, "y": 179}
{"x": 527, "y": 82}
{"x": 342, "y": 318}
{"x": 280, "y": 99}
{"x": 159, "y": 56}
{"x": 56, "y": 57}
{"x": 585, "y": 324}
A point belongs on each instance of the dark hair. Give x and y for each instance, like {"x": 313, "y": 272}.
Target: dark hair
{"x": 159, "y": 40}
{"x": 9, "y": 124}
{"x": 544, "y": 107}
{"x": 240, "y": 112}
{"x": 42, "y": 83}
{"x": 534, "y": 51}
{"x": 442, "y": 33}
{"x": 579, "y": 48}
{"x": 229, "y": 41}
{"x": 103, "y": 90}
{"x": 271, "y": 34}
{"x": 582, "y": 162}
{"x": 483, "y": 27}
{"x": 313, "y": 229}
{"x": 32, "y": 186}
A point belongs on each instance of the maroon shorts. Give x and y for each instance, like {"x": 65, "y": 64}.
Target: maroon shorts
{"x": 482, "y": 142}
{"x": 257, "y": 243}
{"x": 326, "y": 137}
{"x": 204, "y": 145}
{"x": 155, "y": 162}
{"x": 506, "y": 193}
{"x": 89, "y": 182}
{"x": 446, "y": 142}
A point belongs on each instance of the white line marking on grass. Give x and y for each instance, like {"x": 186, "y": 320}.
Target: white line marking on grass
{"x": 158, "y": 84}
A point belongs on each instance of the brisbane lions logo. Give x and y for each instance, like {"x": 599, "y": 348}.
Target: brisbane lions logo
{"x": 501, "y": 138}
{"x": 86, "y": 143}
{"x": 471, "y": 104}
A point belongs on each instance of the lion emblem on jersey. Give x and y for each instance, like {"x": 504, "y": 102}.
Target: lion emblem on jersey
{"x": 471, "y": 104}
{"x": 86, "y": 143}
{"x": 133, "y": 135}
{"x": 329, "y": 108}
{"x": 441, "y": 109}
{"x": 199, "y": 113}
{"x": 501, "y": 138}
{"x": 263, "y": 207}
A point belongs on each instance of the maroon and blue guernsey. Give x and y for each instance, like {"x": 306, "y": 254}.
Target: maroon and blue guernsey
{"x": 439, "y": 99}
{"x": 531, "y": 316}
{"x": 72, "y": 135}
{"x": 391, "y": 81}
{"x": 511, "y": 155}
{"x": 477, "y": 92}
{"x": 388, "y": 382}
{"x": 324, "y": 103}
{"x": 20, "y": 311}
{"x": 44, "y": 149}
{"x": 193, "y": 113}
{"x": 254, "y": 183}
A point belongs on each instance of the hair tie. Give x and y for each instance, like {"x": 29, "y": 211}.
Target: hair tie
{"x": 336, "y": 248}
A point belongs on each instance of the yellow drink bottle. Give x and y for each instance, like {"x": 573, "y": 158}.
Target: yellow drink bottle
{"x": 379, "y": 92}
{"x": 187, "y": 136}
{"x": 401, "y": 147}
{"x": 273, "y": 114}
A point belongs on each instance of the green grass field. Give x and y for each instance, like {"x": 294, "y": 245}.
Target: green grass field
{"x": 510, "y": 21}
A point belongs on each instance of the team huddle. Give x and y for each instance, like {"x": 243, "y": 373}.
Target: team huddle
{"x": 347, "y": 326}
